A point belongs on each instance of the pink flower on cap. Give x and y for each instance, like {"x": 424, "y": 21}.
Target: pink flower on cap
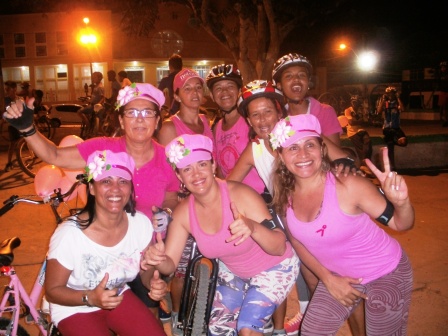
{"x": 143, "y": 91}
{"x": 183, "y": 76}
{"x": 187, "y": 149}
{"x": 293, "y": 128}
{"x": 102, "y": 164}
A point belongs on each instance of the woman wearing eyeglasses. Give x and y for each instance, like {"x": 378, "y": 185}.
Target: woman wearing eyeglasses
{"x": 139, "y": 113}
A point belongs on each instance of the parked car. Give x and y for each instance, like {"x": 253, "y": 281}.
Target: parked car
{"x": 64, "y": 114}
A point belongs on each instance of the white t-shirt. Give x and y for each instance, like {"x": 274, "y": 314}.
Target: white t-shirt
{"x": 89, "y": 261}
{"x": 264, "y": 163}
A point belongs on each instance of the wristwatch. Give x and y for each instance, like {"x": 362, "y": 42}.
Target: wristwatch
{"x": 85, "y": 299}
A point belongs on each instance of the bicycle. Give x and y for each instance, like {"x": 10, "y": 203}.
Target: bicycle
{"x": 25, "y": 157}
{"x": 90, "y": 129}
{"x": 198, "y": 293}
{"x": 15, "y": 300}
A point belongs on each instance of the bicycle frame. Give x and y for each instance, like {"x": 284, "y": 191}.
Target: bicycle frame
{"x": 13, "y": 297}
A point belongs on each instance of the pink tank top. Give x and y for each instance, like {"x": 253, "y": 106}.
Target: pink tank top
{"x": 349, "y": 245}
{"x": 229, "y": 146}
{"x": 245, "y": 260}
{"x": 181, "y": 128}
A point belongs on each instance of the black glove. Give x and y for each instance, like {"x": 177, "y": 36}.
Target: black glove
{"x": 347, "y": 162}
{"x": 23, "y": 122}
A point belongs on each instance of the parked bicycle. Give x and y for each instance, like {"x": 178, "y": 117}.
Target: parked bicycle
{"x": 16, "y": 303}
{"x": 198, "y": 293}
{"x": 25, "y": 158}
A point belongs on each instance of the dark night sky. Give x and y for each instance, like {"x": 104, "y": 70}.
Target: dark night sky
{"x": 406, "y": 36}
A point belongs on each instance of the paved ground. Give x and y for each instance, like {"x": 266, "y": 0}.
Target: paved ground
{"x": 426, "y": 244}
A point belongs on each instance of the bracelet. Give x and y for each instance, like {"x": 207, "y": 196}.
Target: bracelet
{"x": 85, "y": 300}
{"x": 28, "y": 133}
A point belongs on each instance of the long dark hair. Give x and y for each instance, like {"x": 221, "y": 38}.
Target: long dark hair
{"x": 90, "y": 208}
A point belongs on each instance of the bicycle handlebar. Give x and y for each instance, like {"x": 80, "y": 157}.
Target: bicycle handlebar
{"x": 54, "y": 199}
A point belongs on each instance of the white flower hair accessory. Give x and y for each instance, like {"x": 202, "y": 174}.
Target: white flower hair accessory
{"x": 96, "y": 167}
{"x": 126, "y": 94}
{"x": 281, "y": 132}
{"x": 176, "y": 152}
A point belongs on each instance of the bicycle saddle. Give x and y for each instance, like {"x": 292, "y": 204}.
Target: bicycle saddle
{"x": 6, "y": 248}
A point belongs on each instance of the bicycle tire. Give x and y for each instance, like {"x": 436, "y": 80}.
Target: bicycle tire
{"x": 44, "y": 127}
{"x": 198, "y": 297}
{"x": 27, "y": 159}
{"x": 4, "y": 322}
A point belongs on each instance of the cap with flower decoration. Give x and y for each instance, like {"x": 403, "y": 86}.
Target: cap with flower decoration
{"x": 187, "y": 149}
{"x": 294, "y": 128}
{"x": 102, "y": 164}
{"x": 143, "y": 91}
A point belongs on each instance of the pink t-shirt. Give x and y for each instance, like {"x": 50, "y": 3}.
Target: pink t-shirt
{"x": 245, "y": 260}
{"x": 151, "y": 181}
{"x": 181, "y": 128}
{"x": 326, "y": 115}
{"x": 349, "y": 245}
{"x": 229, "y": 146}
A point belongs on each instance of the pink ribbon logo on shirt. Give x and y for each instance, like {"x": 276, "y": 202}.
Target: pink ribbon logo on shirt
{"x": 322, "y": 230}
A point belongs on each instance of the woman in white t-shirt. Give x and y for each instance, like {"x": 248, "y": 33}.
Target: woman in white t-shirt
{"x": 96, "y": 252}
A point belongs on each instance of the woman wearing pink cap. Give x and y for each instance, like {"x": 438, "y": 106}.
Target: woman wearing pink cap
{"x": 139, "y": 113}
{"x": 96, "y": 252}
{"x": 335, "y": 237}
{"x": 189, "y": 92}
{"x": 231, "y": 222}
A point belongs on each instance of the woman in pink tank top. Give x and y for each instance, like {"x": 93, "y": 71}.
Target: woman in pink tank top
{"x": 230, "y": 222}
{"x": 333, "y": 232}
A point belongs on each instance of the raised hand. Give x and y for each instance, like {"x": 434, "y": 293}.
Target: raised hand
{"x": 19, "y": 114}
{"x": 155, "y": 254}
{"x": 158, "y": 287}
{"x": 103, "y": 297}
{"x": 241, "y": 228}
{"x": 392, "y": 184}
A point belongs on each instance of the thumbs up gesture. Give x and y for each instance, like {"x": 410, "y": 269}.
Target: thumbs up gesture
{"x": 241, "y": 228}
{"x": 155, "y": 253}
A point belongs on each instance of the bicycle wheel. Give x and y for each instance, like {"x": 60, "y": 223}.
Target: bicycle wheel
{"x": 28, "y": 161}
{"x": 44, "y": 126}
{"x": 330, "y": 99}
{"x": 196, "y": 322}
{"x": 5, "y": 323}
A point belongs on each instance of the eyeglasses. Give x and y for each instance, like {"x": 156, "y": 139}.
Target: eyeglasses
{"x": 145, "y": 113}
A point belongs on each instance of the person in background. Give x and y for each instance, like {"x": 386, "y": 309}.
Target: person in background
{"x": 123, "y": 79}
{"x": 359, "y": 137}
{"x": 94, "y": 254}
{"x": 442, "y": 86}
{"x": 115, "y": 86}
{"x": 390, "y": 106}
{"x": 155, "y": 183}
{"x": 232, "y": 131}
{"x": 335, "y": 236}
{"x": 25, "y": 92}
{"x": 175, "y": 65}
{"x": 14, "y": 135}
{"x": 97, "y": 97}
{"x": 230, "y": 222}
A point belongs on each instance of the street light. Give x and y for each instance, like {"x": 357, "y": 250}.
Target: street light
{"x": 87, "y": 37}
{"x": 366, "y": 62}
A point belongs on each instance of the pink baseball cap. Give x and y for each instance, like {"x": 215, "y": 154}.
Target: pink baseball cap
{"x": 187, "y": 149}
{"x": 293, "y": 128}
{"x": 102, "y": 164}
{"x": 143, "y": 91}
{"x": 183, "y": 76}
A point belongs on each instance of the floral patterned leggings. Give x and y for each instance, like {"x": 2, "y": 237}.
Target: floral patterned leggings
{"x": 249, "y": 303}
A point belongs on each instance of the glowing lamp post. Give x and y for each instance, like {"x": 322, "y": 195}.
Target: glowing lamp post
{"x": 87, "y": 38}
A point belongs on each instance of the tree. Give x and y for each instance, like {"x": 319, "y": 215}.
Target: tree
{"x": 252, "y": 30}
